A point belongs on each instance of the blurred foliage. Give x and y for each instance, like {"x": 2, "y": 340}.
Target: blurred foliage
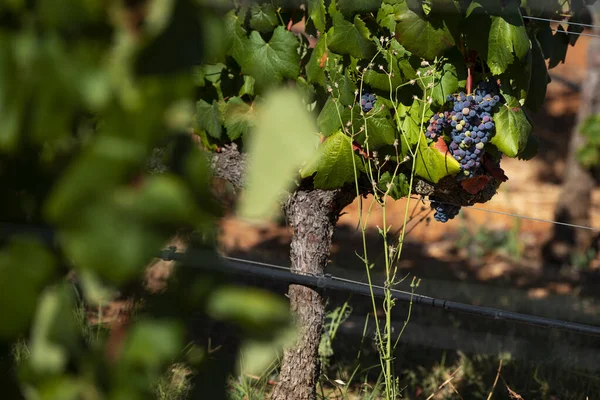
{"x": 589, "y": 154}
{"x": 96, "y": 108}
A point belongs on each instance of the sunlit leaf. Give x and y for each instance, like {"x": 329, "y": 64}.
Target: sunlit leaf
{"x": 284, "y": 137}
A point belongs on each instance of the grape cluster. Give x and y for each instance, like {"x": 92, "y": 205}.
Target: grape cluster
{"x": 466, "y": 128}
{"x": 438, "y": 125}
{"x": 444, "y": 212}
{"x": 367, "y": 101}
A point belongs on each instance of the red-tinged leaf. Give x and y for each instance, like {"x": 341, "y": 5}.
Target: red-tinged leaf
{"x": 495, "y": 170}
{"x": 441, "y": 145}
{"x": 323, "y": 60}
{"x": 361, "y": 151}
{"x": 475, "y": 184}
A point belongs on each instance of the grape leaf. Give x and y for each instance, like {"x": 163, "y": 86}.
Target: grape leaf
{"x": 433, "y": 165}
{"x": 350, "y": 38}
{"x": 445, "y": 82}
{"x": 475, "y": 184}
{"x": 531, "y": 148}
{"x": 236, "y": 36}
{"x": 269, "y": 63}
{"x": 507, "y": 36}
{"x": 315, "y": 69}
{"x": 539, "y": 78}
{"x": 512, "y": 130}
{"x": 329, "y": 118}
{"x": 334, "y": 164}
{"x": 388, "y": 14}
{"x": 399, "y": 62}
{"x": 351, "y": 7}
{"x": 247, "y": 87}
{"x": 398, "y": 187}
{"x": 378, "y": 127}
{"x": 414, "y": 121}
{"x": 317, "y": 13}
{"x": 263, "y": 17}
{"x": 345, "y": 89}
{"x": 546, "y": 40}
{"x": 559, "y": 49}
{"x": 209, "y": 118}
{"x": 239, "y": 118}
{"x": 283, "y": 138}
{"x": 419, "y": 36}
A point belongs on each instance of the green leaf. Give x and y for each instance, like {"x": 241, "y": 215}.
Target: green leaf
{"x": 236, "y": 38}
{"x": 512, "y": 130}
{"x": 116, "y": 237}
{"x": 414, "y": 120}
{"x": 253, "y": 309}
{"x": 263, "y": 17}
{"x": 507, "y": 39}
{"x": 209, "y": 118}
{"x": 398, "y": 187}
{"x": 329, "y": 119}
{"x": 351, "y": 7}
{"x": 589, "y": 152}
{"x": 379, "y": 128}
{"x": 350, "y": 38}
{"x": 476, "y": 28}
{"x": 445, "y": 82}
{"x": 269, "y": 63}
{"x": 433, "y": 165}
{"x": 539, "y": 78}
{"x": 248, "y": 87}
{"x": 388, "y": 14}
{"x": 314, "y": 71}
{"x": 345, "y": 89}
{"x": 559, "y": 49}
{"x": 284, "y": 137}
{"x": 546, "y": 40}
{"x": 96, "y": 172}
{"x": 421, "y": 37}
{"x": 150, "y": 344}
{"x": 531, "y": 148}
{"x": 257, "y": 356}
{"x": 334, "y": 164}
{"x": 55, "y": 331}
{"x": 239, "y": 118}
{"x": 25, "y": 267}
{"x": 317, "y": 13}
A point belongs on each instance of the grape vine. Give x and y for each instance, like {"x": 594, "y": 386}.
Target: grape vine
{"x": 390, "y": 99}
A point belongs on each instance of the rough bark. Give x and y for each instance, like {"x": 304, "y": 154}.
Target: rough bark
{"x": 312, "y": 214}
{"x": 576, "y": 194}
{"x": 229, "y": 164}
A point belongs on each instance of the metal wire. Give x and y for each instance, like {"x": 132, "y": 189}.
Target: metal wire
{"x": 549, "y": 221}
{"x": 566, "y": 32}
{"x": 560, "y": 22}
{"x": 577, "y": 33}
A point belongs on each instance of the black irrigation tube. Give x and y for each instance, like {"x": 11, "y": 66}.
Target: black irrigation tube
{"x": 328, "y": 282}
{"x": 335, "y": 283}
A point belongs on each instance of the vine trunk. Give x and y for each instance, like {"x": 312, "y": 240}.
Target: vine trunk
{"x": 312, "y": 214}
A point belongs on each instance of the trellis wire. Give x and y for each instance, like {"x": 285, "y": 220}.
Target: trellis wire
{"x": 560, "y": 22}
{"x": 549, "y": 221}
